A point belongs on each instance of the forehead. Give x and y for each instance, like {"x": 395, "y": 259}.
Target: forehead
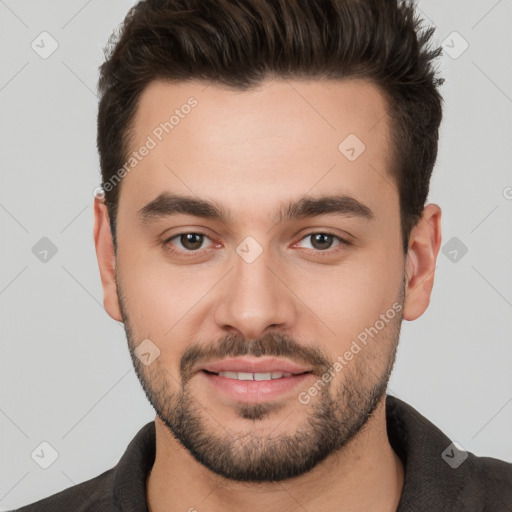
{"x": 282, "y": 140}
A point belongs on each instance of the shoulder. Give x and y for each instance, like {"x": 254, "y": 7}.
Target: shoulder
{"x": 119, "y": 488}
{"x": 91, "y": 495}
{"x": 488, "y": 479}
{"x": 439, "y": 474}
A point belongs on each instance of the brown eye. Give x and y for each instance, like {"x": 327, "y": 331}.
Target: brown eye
{"x": 324, "y": 242}
{"x": 321, "y": 241}
{"x": 191, "y": 241}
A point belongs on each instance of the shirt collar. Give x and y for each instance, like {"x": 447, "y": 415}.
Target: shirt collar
{"x": 429, "y": 480}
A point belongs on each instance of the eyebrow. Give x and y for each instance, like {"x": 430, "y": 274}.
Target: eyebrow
{"x": 166, "y": 205}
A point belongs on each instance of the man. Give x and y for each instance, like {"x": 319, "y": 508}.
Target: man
{"x": 262, "y": 235}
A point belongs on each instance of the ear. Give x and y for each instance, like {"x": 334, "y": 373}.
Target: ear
{"x": 424, "y": 244}
{"x": 106, "y": 258}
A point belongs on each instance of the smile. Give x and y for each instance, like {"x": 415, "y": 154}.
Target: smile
{"x": 254, "y": 376}
{"x": 254, "y": 387}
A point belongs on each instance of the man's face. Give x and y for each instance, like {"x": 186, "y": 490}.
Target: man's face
{"x": 260, "y": 286}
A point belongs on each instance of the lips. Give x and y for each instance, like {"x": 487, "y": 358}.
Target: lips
{"x": 253, "y": 391}
{"x": 253, "y": 380}
{"x": 254, "y": 376}
{"x": 247, "y": 368}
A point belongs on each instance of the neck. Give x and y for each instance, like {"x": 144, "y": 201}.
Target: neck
{"x": 366, "y": 474}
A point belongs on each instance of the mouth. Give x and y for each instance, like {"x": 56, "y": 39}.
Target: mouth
{"x": 254, "y": 380}
{"x": 258, "y": 376}
{"x": 255, "y": 368}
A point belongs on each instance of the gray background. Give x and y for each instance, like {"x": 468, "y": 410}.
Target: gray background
{"x": 65, "y": 373}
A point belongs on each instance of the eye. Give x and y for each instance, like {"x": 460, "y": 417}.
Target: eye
{"x": 323, "y": 241}
{"x": 190, "y": 242}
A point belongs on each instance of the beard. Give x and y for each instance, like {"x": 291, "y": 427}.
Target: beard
{"x": 333, "y": 418}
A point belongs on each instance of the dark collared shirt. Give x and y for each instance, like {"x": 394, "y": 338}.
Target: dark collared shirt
{"x": 438, "y": 475}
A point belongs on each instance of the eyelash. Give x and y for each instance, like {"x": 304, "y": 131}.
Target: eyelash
{"x": 191, "y": 254}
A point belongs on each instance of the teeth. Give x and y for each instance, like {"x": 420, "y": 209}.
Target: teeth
{"x": 278, "y": 375}
{"x": 262, "y": 376}
{"x": 229, "y": 375}
{"x": 254, "y": 376}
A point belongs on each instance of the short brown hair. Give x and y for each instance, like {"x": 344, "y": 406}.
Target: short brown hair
{"x": 240, "y": 43}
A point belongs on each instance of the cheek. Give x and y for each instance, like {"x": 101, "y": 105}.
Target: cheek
{"x": 165, "y": 303}
{"x": 160, "y": 305}
{"x": 351, "y": 299}
{"x": 157, "y": 294}
{"x": 158, "y": 313}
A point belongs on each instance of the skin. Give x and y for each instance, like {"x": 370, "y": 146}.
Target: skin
{"x": 250, "y": 151}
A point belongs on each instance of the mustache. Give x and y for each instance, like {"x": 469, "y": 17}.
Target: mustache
{"x": 271, "y": 344}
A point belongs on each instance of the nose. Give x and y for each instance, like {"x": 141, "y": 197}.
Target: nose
{"x": 255, "y": 297}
